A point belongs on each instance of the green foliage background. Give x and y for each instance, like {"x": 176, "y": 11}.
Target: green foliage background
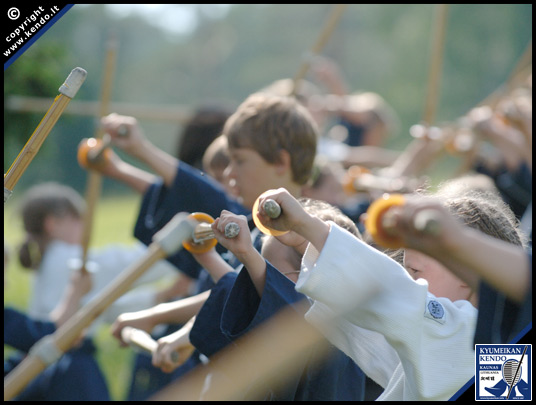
{"x": 379, "y": 47}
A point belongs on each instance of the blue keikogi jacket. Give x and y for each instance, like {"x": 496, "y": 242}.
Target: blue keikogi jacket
{"x": 76, "y": 376}
{"x": 234, "y": 308}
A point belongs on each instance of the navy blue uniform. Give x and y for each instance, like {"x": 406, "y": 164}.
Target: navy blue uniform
{"x": 76, "y": 376}
{"x": 191, "y": 191}
{"x": 147, "y": 379}
{"x": 234, "y": 308}
{"x": 501, "y": 320}
{"x": 356, "y": 132}
{"x": 515, "y": 186}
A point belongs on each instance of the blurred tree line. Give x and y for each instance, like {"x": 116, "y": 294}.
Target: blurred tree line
{"x": 379, "y": 47}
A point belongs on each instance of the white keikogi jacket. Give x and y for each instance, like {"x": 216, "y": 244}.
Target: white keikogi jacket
{"x": 52, "y": 278}
{"x": 413, "y": 344}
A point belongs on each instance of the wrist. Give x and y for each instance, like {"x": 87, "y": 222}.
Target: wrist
{"x": 308, "y": 225}
{"x": 248, "y": 257}
{"x": 314, "y": 230}
{"x": 142, "y": 150}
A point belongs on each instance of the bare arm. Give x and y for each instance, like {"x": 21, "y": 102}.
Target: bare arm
{"x": 161, "y": 162}
{"x": 112, "y": 166}
{"x": 179, "y": 342}
{"x": 294, "y": 218}
{"x": 178, "y": 311}
{"x": 213, "y": 263}
{"x": 137, "y": 145}
{"x": 172, "y": 312}
{"x": 242, "y": 247}
{"x": 413, "y": 160}
{"x": 79, "y": 285}
{"x": 504, "y": 266}
{"x": 137, "y": 179}
{"x": 470, "y": 254}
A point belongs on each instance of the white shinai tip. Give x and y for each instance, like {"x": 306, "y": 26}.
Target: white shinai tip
{"x": 73, "y": 82}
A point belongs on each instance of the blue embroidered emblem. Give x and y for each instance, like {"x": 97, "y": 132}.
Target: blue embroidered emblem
{"x": 436, "y": 309}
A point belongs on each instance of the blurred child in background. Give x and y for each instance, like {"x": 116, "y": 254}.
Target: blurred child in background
{"x": 76, "y": 375}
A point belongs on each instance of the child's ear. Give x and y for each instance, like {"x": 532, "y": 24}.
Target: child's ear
{"x": 283, "y": 163}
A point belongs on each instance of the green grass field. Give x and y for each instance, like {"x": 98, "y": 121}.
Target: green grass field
{"x": 113, "y": 223}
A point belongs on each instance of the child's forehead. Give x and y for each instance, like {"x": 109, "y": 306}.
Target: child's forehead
{"x": 414, "y": 258}
{"x": 421, "y": 261}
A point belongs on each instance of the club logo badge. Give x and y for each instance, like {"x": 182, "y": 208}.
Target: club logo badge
{"x": 503, "y": 372}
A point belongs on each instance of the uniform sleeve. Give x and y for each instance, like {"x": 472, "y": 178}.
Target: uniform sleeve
{"x": 207, "y": 321}
{"x": 348, "y": 273}
{"x": 367, "y": 348}
{"x": 501, "y": 320}
{"x": 22, "y": 332}
{"x": 244, "y": 309}
{"x": 191, "y": 191}
{"x": 324, "y": 376}
{"x": 374, "y": 292}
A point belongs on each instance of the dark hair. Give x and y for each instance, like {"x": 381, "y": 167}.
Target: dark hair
{"x": 205, "y": 125}
{"x": 40, "y": 202}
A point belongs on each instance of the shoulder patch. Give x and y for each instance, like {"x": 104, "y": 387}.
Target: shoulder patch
{"x": 434, "y": 310}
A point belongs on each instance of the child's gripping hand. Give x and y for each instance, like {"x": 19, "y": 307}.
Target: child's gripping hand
{"x": 239, "y": 244}
{"x": 136, "y": 320}
{"x": 292, "y": 216}
{"x": 81, "y": 282}
{"x": 172, "y": 351}
{"x": 125, "y": 132}
{"x": 108, "y": 164}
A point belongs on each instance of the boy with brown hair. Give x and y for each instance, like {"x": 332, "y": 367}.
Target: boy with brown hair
{"x": 271, "y": 143}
